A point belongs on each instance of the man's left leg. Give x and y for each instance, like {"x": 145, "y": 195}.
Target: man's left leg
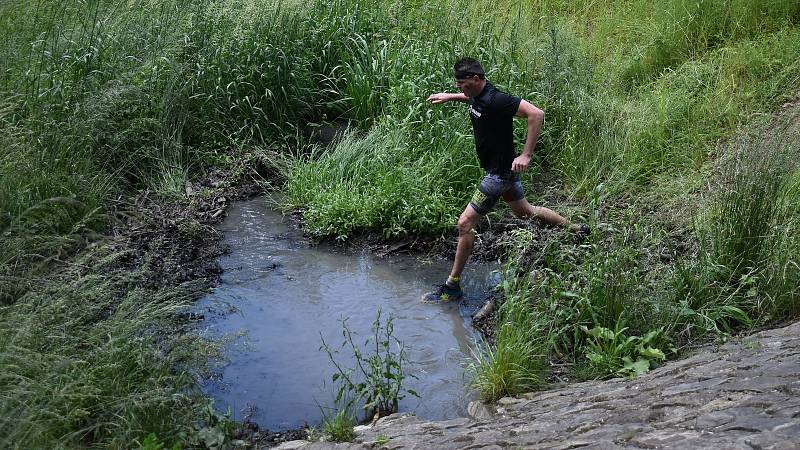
{"x": 524, "y": 210}
{"x": 515, "y": 198}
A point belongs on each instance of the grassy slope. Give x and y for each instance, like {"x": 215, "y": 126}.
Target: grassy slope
{"x": 101, "y": 99}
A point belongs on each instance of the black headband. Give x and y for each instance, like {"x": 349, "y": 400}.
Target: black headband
{"x": 465, "y": 74}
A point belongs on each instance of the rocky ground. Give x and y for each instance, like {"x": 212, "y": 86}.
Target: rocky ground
{"x": 744, "y": 394}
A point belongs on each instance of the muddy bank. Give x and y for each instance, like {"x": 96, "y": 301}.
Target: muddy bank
{"x": 176, "y": 242}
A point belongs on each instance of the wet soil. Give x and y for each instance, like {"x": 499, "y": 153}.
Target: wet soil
{"x": 177, "y": 242}
{"x": 178, "y": 237}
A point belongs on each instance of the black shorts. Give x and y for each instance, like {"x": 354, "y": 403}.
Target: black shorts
{"x": 493, "y": 187}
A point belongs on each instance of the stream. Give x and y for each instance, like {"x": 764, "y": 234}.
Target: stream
{"x": 279, "y": 295}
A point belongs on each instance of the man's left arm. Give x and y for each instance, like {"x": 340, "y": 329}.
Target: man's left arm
{"x": 535, "y": 118}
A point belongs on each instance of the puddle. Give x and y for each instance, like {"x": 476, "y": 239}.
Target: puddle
{"x": 282, "y": 294}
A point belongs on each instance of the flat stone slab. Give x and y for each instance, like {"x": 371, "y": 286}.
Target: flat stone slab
{"x": 744, "y": 394}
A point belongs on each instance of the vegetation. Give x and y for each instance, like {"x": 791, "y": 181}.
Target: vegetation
{"x": 339, "y": 428}
{"x": 89, "y": 357}
{"x": 654, "y": 123}
{"x": 375, "y": 382}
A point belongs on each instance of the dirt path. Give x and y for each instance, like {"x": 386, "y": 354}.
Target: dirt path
{"x": 741, "y": 395}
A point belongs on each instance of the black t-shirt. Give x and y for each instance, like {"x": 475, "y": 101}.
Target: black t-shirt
{"x": 492, "y": 113}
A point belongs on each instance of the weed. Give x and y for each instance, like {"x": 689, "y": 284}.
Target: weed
{"x": 151, "y": 442}
{"x": 339, "y": 427}
{"x": 378, "y": 376}
{"x": 611, "y": 352}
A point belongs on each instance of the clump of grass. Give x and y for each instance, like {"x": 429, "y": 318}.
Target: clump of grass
{"x": 339, "y": 427}
{"x": 85, "y": 359}
{"x": 514, "y": 364}
{"x": 377, "y": 181}
{"x": 747, "y": 264}
{"x": 593, "y": 305}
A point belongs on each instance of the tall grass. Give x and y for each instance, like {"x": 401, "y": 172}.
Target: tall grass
{"x": 379, "y": 179}
{"x": 100, "y": 99}
{"x": 86, "y": 360}
{"x": 747, "y": 266}
{"x": 684, "y": 29}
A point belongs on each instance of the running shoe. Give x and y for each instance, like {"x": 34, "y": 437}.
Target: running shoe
{"x": 443, "y": 293}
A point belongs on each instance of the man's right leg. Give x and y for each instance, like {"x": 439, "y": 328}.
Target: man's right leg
{"x": 451, "y": 289}
{"x": 466, "y": 239}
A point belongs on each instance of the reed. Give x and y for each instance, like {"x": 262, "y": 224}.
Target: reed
{"x": 101, "y": 100}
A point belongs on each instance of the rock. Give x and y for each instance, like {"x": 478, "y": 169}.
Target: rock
{"x": 485, "y": 311}
{"x": 479, "y": 411}
{"x": 744, "y": 394}
{"x": 292, "y": 445}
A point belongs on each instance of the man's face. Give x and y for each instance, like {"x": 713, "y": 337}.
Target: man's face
{"x": 471, "y": 86}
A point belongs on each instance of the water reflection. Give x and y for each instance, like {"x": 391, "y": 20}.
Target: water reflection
{"x": 287, "y": 294}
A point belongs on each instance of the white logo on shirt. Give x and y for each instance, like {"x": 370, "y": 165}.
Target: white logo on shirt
{"x": 474, "y": 112}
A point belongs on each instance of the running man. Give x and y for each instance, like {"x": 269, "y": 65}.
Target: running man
{"x": 492, "y": 112}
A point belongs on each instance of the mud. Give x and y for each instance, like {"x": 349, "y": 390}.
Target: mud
{"x": 176, "y": 242}
{"x": 177, "y": 237}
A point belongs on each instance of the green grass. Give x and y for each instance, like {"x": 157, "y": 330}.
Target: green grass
{"x": 378, "y": 178}
{"x": 101, "y": 100}
{"x": 339, "y": 427}
{"x": 746, "y": 268}
{"x": 88, "y": 359}
{"x": 517, "y": 363}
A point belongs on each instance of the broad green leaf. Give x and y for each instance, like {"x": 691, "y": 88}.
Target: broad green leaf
{"x": 652, "y": 353}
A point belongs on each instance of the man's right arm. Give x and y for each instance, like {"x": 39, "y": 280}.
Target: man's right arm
{"x": 444, "y": 97}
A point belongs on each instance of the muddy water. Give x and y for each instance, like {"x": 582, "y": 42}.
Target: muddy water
{"x": 279, "y": 296}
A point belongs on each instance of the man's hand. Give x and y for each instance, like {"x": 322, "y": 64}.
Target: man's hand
{"x": 444, "y": 97}
{"x": 441, "y": 97}
{"x": 520, "y": 163}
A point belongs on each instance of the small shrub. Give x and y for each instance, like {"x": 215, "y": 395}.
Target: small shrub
{"x": 611, "y": 352}
{"x": 377, "y": 378}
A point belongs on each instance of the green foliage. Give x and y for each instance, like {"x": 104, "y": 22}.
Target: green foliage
{"x": 747, "y": 261}
{"x": 339, "y": 427}
{"x": 611, "y": 352}
{"x": 378, "y": 180}
{"x": 515, "y": 364}
{"x": 376, "y": 380}
{"x": 85, "y": 361}
{"x": 573, "y": 302}
{"x": 598, "y": 284}
{"x": 151, "y": 442}
{"x": 685, "y": 29}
